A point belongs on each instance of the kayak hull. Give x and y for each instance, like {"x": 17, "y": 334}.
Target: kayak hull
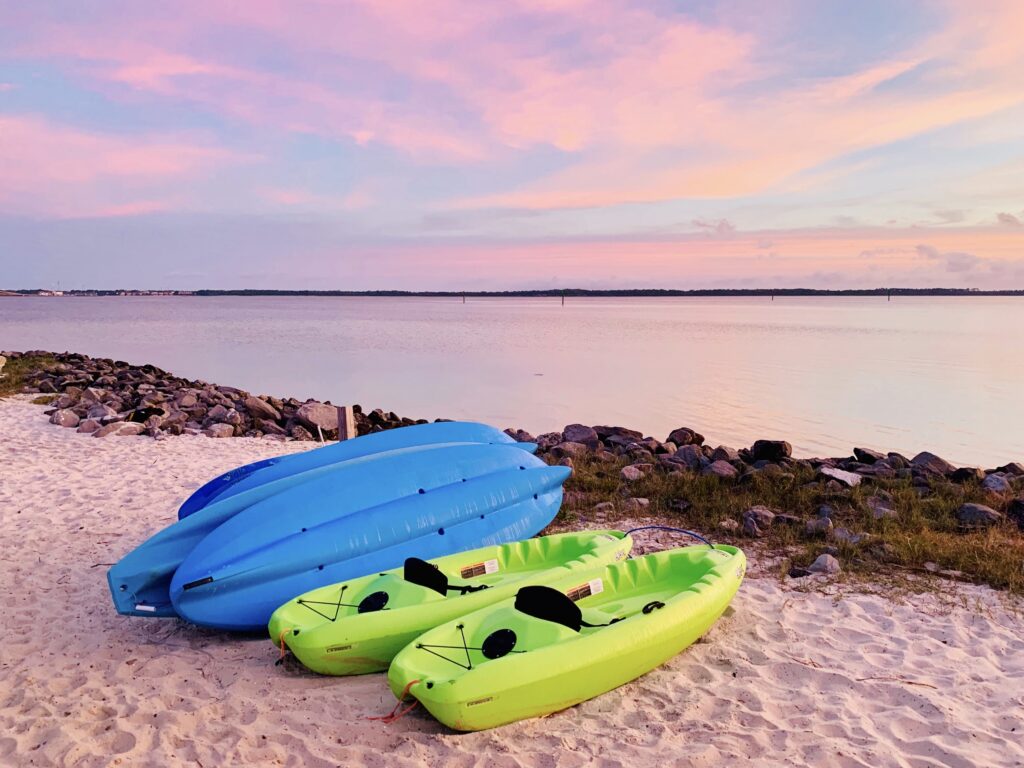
{"x": 363, "y": 516}
{"x": 326, "y": 631}
{"x": 553, "y": 666}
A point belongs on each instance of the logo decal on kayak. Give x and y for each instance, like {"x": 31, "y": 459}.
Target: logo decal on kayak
{"x": 592, "y": 587}
{"x": 479, "y": 569}
{"x": 484, "y": 700}
{"x": 338, "y": 648}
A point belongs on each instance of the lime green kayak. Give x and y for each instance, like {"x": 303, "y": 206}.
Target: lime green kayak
{"x": 554, "y": 646}
{"x": 359, "y": 625}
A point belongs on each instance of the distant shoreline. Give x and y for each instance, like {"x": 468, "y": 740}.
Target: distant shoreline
{"x": 549, "y": 293}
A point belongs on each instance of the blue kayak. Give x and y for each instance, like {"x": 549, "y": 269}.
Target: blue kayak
{"x": 363, "y": 516}
{"x": 268, "y": 470}
{"x": 139, "y": 583}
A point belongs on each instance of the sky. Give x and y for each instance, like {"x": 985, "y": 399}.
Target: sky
{"x": 478, "y": 145}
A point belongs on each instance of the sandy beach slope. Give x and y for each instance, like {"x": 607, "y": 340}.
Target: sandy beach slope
{"x": 785, "y": 678}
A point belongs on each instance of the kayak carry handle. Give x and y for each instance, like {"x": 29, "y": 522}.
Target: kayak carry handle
{"x": 674, "y": 530}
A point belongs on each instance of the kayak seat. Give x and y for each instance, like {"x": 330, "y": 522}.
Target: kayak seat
{"x": 417, "y": 571}
{"x": 548, "y": 604}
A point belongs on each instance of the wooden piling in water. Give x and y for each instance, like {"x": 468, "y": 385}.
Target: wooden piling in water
{"x": 346, "y": 423}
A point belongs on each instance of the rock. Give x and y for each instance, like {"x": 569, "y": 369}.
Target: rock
{"x": 187, "y": 400}
{"x": 756, "y": 520}
{"x": 880, "y": 507}
{"x": 299, "y": 432}
{"x": 268, "y": 427}
{"x": 116, "y": 427}
{"x": 770, "y": 450}
{"x": 964, "y": 474}
{"x": 897, "y": 460}
{"x": 219, "y": 430}
{"x": 929, "y": 462}
{"x": 64, "y": 418}
{"x": 261, "y": 409}
{"x": 685, "y": 436}
{"x": 846, "y": 536}
{"x": 691, "y": 456}
{"x": 994, "y": 483}
{"x": 787, "y": 519}
{"x": 1015, "y": 511}
{"x": 722, "y": 469}
{"x": 977, "y": 515}
{"x": 572, "y": 450}
{"x": 217, "y": 413}
{"x": 604, "y": 508}
{"x": 1014, "y": 468}
{"x": 520, "y": 435}
{"x": 867, "y": 456}
{"x": 637, "y": 504}
{"x": 818, "y": 526}
{"x": 548, "y": 440}
{"x": 635, "y": 472}
{"x": 826, "y": 510}
{"x": 579, "y": 433}
{"x": 88, "y": 426}
{"x": 849, "y": 479}
{"x": 825, "y": 564}
{"x": 314, "y": 415}
{"x": 728, "y": 525}
{"x": 46, "y": 386}
{"x": 724, "y": 453}
{"x": 605, "y": 432}
{"x": 92, "y": 396}
{"x": 567, "y": 462}
{"x": 233, "y": 417}
{"x": 101, "y": 412}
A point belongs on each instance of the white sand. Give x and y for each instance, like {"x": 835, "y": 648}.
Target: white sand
{"x": 785, "y": 678}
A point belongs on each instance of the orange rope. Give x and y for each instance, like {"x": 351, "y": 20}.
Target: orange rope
{"x": 394, "y": 714}
{"x": 284, "y": 650}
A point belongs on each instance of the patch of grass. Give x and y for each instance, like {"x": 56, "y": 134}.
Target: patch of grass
{"x": 16, "y": 371}
{"x": 44, "y": 399}
{"x": 924, "y": 530}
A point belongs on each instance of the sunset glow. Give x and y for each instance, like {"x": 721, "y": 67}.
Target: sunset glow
{"x": 512, "y": 145}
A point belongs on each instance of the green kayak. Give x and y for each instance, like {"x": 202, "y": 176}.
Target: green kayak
{"x": 554, "y": 646}
{"x": 359, "y": 625}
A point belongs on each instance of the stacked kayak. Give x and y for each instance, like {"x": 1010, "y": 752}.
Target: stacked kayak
{"x": 359, "y": 625}
{"x": 256, "y": 538}
{"x": 553, "y": 646}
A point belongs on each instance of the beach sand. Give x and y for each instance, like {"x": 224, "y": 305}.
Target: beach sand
{"x": 787, "y": 677}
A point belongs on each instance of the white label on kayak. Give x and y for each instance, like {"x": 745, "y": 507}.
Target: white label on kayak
{"x": 592, "y": 587}
{"x": 479, "y": 569}
{"x": 141, "y": 607}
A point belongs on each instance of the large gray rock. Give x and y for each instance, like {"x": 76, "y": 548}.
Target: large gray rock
{"x": 64, "y": 418}
{"x": 1015, "y": 511}
{"x": 88, "y": 426}
{"x": 725, "y": 453}
{"x": 130, "y": 429}
{"x": 217, "y": 413}
{"x": 101, "y": 412}
{"x": 867, "y": 455}
{"x": 722, "y": 469}
{"x": 261, "y": 409}
{"x": 580, "y": 433}
{"x": 757, "y": 520}
{"x": 319, "y": 415}
{"x": 635, "y": 472}
{"x": 1014, "y": 468}
{"x": 685, "y": 436}
{"x": 570, "y": 450}
{"x": 964, "y": 474}
{"x": 770, "y": 450}
{"x": 818, "y": 526}
{"x": 880, "y": 507}
{"x": 691, "y": 456}
{"x": 929, "y": 462}
{"x": 977, "y": 515}
{"x": 995, "y": 483}
{"x": 826, "y": 565}
{"x": 219, "y": 430}
{"x": 849, "y": 479}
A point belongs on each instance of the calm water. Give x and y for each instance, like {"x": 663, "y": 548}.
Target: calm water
{"x": 941, "y": 374}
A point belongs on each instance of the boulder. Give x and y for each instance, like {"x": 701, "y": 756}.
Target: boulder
{"x": 605, "y": 432}
{"x": 187, "y": 400}
{"x": 825, "y": 564}
{"x": 897, "y": 460}
{"x": 299, "y": 432}
{"x": 995, "y": 483}
{"x": 1015, "y": 511}
{"x": 722, "y": 469}
{"x": 219, "y": 430}
{"x": 690, "y": 455}
{"x": 770, "y": 450}
{"x": 261, "y": 409}
{"x": 977, "y": 515}
{"x": 520, "y": 435}
{"x": 565, "y": 461}
{"x": 314, "y": 415}
{"x": 846, "y": 536}
{"x": 579, "y": 433}
{"x": 965, "y": 474}
{"x": 101, "y": 412}
{"x": 880, "y": 507}
{"x": 756, "y": 520}
{"x": 728, "y": 525}
{"x": 604, "y": 508}
{"x": 635, "y": 472}
{"x": 636, "y": 504}
{"x": 268, "y": 427}
{"x": 685, "y": 436}
{"x": 88, "y": 426}
{"x": 1014, "y": 468}
{"x": 64, "y": 418}
{"x": 818, "y": 526}
{"x": 849, "y": 479}
{"x": 929, "y": 462}
{"x": 547, "y": 440}
{"x": 867, "y": 455}
{"x": 571, "y": 450}
{"x": 130, "y": 429}
{"x": 725, "y": 453}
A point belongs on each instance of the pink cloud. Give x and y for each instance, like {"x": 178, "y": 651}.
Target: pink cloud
{"x": 47, "y": 168}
